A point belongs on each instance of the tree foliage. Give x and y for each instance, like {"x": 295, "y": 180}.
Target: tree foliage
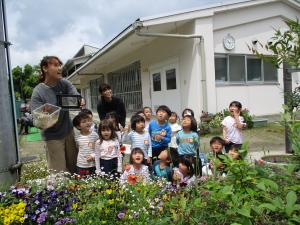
{"x": 284, "y": 45}
{"x": 25, "y": 79}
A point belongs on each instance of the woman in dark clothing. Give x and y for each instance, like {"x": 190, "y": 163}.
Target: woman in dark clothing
{"x": 109, "y": 103}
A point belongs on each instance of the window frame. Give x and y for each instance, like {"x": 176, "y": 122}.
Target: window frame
{"x": 246, "y": 82}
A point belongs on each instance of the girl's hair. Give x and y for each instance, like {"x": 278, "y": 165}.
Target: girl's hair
{"x": 134, "y": 151}
{"x": 188, "y": 163}
{"x": 135, "y": 119}
{"x": 87, "y": 111}
{"x": 113, "y": 115}
{"x": 77, "y": 119}
{"x": 236, "y": 104}
{"x": 174, "y": 113}
{"x": 44, "y": 63}
{"x": 217, "y": 139}
{"x": 139, "y": 112}
{"x": 188, "y": 111}
{"x": 106, "y": 125}
{"x": 193, "y": 122}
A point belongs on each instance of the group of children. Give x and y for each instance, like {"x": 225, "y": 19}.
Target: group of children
{"x": 160, "y": 147}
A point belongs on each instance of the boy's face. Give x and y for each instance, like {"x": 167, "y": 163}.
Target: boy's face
{"x": 148, "y": 113}
{"x": 233, "y": 154}
{"x": 216, "y": 147}
{"x": 162, "y": 116}
{"x": 140, "y": 126}
{"x": 173, "y": 118}
{"x": 107, "y": 93}
{"x": 85, "y": 124}
{"x": 137, "y": 158}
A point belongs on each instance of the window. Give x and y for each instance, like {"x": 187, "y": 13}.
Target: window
{"x": 270, "y": 72}
{"x": 156, "y": 82}
{"x": 254, "y": 69}
{"x": 171, "y": 79}
{"x": 221, "y": 68}
{"x": 237, "y": 69}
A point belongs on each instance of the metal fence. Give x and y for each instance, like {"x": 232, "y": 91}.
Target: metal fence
{"x": 126, "y": 84}
{"x": 94, "y": 87}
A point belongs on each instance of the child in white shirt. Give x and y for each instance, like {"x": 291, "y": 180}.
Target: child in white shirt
{"x": 175, "y": 127}
{"x": 232, "y": 126}
{"x": 136, "y": 171}
{"x": 108, "y": 156}
{"x": 85, "y": 141}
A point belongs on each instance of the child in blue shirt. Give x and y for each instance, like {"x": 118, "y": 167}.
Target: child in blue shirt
{"x": 188, "y": 140}
{"x": 160, "y": 131}
{"x": 161, "y": 167}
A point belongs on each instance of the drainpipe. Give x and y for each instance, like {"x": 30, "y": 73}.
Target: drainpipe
{"x": 137, "y": 27}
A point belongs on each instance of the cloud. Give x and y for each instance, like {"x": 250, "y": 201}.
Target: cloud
{"x": 54, "y": 27}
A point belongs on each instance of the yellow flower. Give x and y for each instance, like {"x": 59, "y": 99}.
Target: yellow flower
{"x": 106, "y": 211}
{"x": 109, "y": 191}
{"x": 74, "y": 205}
{"x": 165, "y": 197}
{"x": 111, "y": 201}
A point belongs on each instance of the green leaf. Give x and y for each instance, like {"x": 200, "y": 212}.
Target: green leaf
{"x": 182, "y": 203}
{"x": 291, "y": 168}
{"x": 197, "y": 202}
{"x": 277, "y": 202}
{"x": 271, "y": 184}
{"x": 291, "y": 198}
{"x": 261, "y": 186}
{"x": 267, "y": 206}
{"x": 244, "y": 212}
{"x": 227, "y": 190}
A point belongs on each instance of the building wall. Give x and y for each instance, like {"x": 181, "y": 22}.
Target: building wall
{"x": 196, "y": 68}
{"x": 259, "y": 99}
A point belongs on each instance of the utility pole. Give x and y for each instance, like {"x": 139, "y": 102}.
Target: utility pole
{"x": 9, "y": 160}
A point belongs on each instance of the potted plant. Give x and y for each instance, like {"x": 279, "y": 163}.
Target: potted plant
{"x": 215, "y": 125}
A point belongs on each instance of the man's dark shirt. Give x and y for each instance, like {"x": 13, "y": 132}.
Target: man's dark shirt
{"x": 115, "y": 105}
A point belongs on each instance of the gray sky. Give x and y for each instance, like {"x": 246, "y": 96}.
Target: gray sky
{"x": 60, "y": 27}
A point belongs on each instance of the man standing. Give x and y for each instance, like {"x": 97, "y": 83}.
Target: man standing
{"x": 109, "y": 103}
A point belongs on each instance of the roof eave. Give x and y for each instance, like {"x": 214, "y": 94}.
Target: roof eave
{"x": 125, "y": 33}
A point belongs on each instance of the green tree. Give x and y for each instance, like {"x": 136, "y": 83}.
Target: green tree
{"x": 25, "y": 79}
{"x": 284, "y": 47}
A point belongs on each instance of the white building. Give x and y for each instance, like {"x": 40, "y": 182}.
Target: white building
{"x": 204, "y": 66}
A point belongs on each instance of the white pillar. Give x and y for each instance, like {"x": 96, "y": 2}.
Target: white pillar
{"x": 204, "y": 27}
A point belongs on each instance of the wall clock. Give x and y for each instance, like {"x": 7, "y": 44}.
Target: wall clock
{"x": 228, "y": 42}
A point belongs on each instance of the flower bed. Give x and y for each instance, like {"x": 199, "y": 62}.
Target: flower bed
{"x": 249, "y": 194}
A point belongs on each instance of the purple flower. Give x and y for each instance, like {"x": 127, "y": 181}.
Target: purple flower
{"x": 121, "y": 215}
{"x": 42, "y": 218}
{"x": 65, "y": 220}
